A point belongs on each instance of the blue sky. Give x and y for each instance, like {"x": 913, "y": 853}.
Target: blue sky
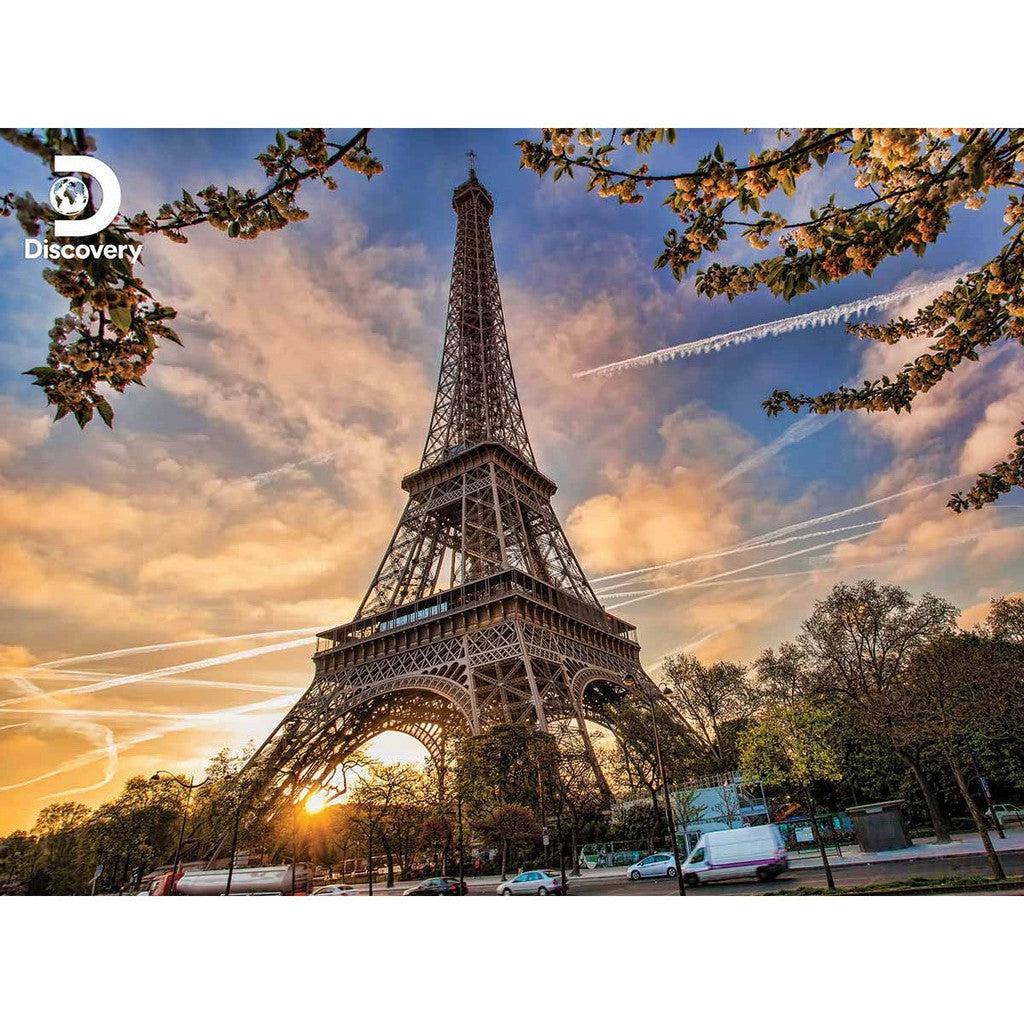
{"x": 252, "y": 484}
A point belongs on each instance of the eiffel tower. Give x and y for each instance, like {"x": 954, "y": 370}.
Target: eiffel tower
{"x": 479, "y": 612}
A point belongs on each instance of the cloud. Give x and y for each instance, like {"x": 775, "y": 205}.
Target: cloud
{"x": 21, "y": 427}
{"x": 991, "y": 439}
{"x": 655, "y": 513}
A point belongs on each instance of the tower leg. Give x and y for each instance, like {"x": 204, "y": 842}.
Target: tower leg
{"x": 538, "y": 703}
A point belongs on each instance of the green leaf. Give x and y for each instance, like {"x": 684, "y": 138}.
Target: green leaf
{"x": 121, "y": 318}
{"x": 41, "y": 373}
{"x": 105, "y": 411}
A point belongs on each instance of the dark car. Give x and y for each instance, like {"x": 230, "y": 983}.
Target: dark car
{"x": 437, "y": 887}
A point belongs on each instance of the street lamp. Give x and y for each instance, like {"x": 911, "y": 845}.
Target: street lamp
{"x": 188, "y": 787}
{"x": 649, "y": 694}
{"x": 462, "y": 846}
{"x": 234, "y": 841}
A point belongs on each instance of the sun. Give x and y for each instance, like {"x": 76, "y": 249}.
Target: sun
{"x": 316, "y": 802}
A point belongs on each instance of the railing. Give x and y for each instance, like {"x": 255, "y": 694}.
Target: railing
{"x": 476, "y": 592}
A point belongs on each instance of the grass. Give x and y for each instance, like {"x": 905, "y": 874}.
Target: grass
{"x": 918, "y": 884}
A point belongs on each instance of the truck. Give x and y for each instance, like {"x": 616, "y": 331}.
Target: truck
{"x": 274, "y": 880}
{"x": 758, "y": 851}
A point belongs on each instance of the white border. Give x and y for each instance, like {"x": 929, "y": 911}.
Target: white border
{"x": 465, "y": 63}
{"x": 628, "y": 959}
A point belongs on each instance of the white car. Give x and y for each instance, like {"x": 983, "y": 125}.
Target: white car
{"x": 1009, "y": 814}
{"x": 335, "y": 889}
{"x": 657, "y": 865}
{"x": 531, "y": 883}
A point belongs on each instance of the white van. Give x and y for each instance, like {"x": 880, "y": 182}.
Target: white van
{"x": 755, "y": 852}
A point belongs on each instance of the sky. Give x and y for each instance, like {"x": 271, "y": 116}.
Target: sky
{"x": 246, "y": 494}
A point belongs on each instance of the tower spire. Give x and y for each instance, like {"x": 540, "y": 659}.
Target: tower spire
{"x": 476, "y": 398}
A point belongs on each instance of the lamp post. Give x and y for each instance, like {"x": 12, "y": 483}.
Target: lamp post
{"x": 234, "y": 842}
{"x": 649, "y": 694}
{"x": 462, "y": 848}
{"x": 188, "y": 787}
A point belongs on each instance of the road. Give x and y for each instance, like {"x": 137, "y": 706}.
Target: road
{"x": 846, "y": 877}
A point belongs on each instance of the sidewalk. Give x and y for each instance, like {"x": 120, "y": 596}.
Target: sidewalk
{"x": 964, "y": 844}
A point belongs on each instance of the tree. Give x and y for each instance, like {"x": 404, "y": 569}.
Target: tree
{"x": 17, "y": 856}
{"x": 578, "y": 794}
{"x": 232, "y": 781}
{"x": 912, "y": 179}
{"x": 510, "y": 827}
{"x": 114, "y": 325}
{"x": 506, "y": 765}
{"x": 385, "y": 805}
{"x": 136, "y": 830}
{"x": 859, "y": 640}
{"x": 634, "y": 762}
{"x": 709, "y": 699}
{"x": 503, "y": 772}
{"x": 960, "y": 683}
{"x": 791, "y": 743}
{"x": 62, "y": 849}
{"x": 688, "y": 810}
{"x": 1006, "y": 619}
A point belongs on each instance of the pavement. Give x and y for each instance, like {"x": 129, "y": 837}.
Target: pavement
{"x": 964, "y": 844}
{"x": 964, "y": 855}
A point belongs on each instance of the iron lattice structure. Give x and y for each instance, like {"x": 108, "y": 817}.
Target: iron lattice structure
{"x": 479, "y": 612}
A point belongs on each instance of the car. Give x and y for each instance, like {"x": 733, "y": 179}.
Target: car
{"x": 657, "y": 865}
{"x": 1008, "y": 814}
{"x": 532, "y": 883}
{"x": 335, "y": 889}
{"x": 438, "y": 887}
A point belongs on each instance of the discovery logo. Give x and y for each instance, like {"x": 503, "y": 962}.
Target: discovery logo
{"x": 69, "y": 197}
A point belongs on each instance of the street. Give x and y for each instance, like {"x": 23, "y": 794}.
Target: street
{"x": 845, "y": 877}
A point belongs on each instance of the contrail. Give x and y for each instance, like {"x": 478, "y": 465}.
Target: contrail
{"x": 714, "y": 583}
{"x": 966, "y": 539}
{"x": 784, "y": 530}
{"x": 772, "y": 328}
{"x": 101, "y": 713}
{"x": 751, "y": 545}
{"x": 185, "y": 722}
{"x": 125, "y": 652}
{"x": 313, "y": 460}
{"x": 107, "y": 747}
{"x": 744, "y": 568}
{"x": 170, "y": 670}
{"x": 793, "y": 434}
{"x": 694, "y": 644}
{"x": 214, "y": 684}
{"x": 832, "y": 516}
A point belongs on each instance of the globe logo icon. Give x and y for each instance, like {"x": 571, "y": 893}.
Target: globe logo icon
{"x": 69, "y": 196}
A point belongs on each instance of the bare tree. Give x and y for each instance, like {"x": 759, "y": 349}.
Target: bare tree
{"x": 860, "y": 639}
{"x": 961, "y": 683}
{"x": 709, "y": 699}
